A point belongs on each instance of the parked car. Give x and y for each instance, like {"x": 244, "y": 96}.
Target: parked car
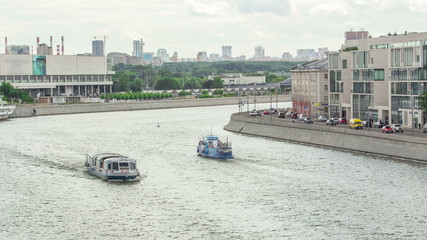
{"x": 425, "y": 128}
{"x": 387, "y": 129}
{"x": 331, "y": 122}
{"x": 266, "y": 112}
{"x": 322, "y": 119}
{"x": 281, "y": 115}
{"x": 379, "y": 124}
{"x": 254, "y": 113}
{"x": 308, "y": 120}
{"x": 294, "y": 115}
{"x": 301, "y": 116}
{"x": 397, "y": 128}
{"x": 355, "y": 123}
{"x": 272, "y": 110}
{"x": 342, "y": 120}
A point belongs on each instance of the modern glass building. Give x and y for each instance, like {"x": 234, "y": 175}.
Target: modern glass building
{"x": 379, "y": 78}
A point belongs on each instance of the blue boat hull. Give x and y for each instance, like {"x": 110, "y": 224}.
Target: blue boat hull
{"x": 214, "y": 153}
{"x": 223, "y": 157}
{"x": 212, "y": 147}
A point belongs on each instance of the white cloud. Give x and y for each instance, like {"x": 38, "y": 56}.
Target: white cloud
{"x": 330, "y": 9}
{"x": 214, "y": 9}
{"x": 257, "y": 34}
{"x": 417, "y": 6}
{"x": 276, "y": 7}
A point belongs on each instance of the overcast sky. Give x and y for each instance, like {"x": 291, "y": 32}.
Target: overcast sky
{"x": 191, "y": 26}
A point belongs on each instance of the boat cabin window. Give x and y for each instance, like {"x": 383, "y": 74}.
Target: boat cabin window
{"x": 124, "y": 165}
{"x": 132, "y": 165}
{"x": 116, "y": 166}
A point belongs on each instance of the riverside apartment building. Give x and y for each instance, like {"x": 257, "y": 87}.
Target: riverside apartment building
{"x": 379, "y": 77}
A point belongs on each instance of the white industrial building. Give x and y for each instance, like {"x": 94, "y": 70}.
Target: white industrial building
{"x": 56, "y": 75}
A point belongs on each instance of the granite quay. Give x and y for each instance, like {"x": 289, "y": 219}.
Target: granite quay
{"x": 370, "y": 141}
{"x": 55, "y": 109}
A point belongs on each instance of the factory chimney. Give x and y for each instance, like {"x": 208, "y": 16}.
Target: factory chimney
{"x": 62, "y": 42}
{"x": 37, "y": 44}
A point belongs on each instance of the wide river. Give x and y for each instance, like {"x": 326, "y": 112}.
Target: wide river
{"x": 272, "y": 189}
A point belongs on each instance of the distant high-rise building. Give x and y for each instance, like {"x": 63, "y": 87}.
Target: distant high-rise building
{"x": 259, "y": 52}
{"x": 323, "y": 52}
{"x": 163, "y": 54}
{"x": 148, "y": 56}
{"x": 98, "y": 48}
{"x": 174, "y": 57}
{"x": 226, "y": 52}
{"x": 44, "y": 49}
{"x": 213, "y": 57}
{"x": 138, "y": 47}
{"x": 306, "y": 54}
{"x": 286, "y": 56}
{"x": 18, "y": 49}
{"x": 202, "y": 57}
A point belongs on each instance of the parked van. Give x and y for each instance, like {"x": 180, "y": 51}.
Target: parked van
{"x": 301, "y": 116}
{"x": 356, "y": 123}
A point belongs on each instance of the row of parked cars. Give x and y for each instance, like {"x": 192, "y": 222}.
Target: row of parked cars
{"x": 353, "y": 123}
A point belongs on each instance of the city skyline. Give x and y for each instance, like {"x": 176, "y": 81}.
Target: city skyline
{"x": 192, "y": 26}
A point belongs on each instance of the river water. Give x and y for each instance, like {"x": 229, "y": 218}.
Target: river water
{"x": 272, "y": 189}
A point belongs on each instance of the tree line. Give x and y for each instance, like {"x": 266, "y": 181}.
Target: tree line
{"x": 192, "y": 75}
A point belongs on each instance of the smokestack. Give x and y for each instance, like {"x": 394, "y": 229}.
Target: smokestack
{"x": 5, "y": 45}
{"x": 51, "y": 42}
{"x": 62, "y": 42}
{"x": 57, "y": 49}
{"x": 38, "y": 43}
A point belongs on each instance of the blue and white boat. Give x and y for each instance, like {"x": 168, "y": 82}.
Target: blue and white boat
{"x": 112, "y": 167}
{"x": 212, "y": 147}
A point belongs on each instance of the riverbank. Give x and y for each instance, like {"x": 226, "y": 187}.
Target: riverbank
{"x": 364, "y": 141}
{"x": 55, "y": 109}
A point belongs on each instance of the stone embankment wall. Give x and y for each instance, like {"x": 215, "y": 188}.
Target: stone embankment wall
{"x": 364, "y": 141}
{"x": 54, "y": 109}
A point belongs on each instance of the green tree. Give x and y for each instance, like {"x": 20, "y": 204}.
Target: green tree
{"x": 217, "y": 83}
{"x": 423, "y": 102}
{"x": 193, "y": 83}
{"x": 121, "y": 81}
{"x": 207, "y": 84}
{"x": 167, "y": 83}
{"x": 10, "y": 93}
{"x": 136, "y": 85}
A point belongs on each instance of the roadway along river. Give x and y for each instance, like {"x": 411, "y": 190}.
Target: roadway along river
{"x": 272, "y": 190}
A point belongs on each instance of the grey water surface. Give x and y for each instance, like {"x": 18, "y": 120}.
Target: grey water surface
{"x": 272, "y": 189}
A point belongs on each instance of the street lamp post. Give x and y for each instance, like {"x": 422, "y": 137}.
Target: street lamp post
{"x": 413, "y": 120}
{"x": 255, "y": 102}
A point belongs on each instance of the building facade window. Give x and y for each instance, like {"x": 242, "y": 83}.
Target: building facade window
{"x": 379, "y": 74}
{"x": 360, "y": 59}
{"x": 361, "y": 104}
{"x": 334, "y": 61}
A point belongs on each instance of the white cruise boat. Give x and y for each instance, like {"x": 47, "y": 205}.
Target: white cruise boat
{"x": 5, "y": 109}
{"x": 112, "y": 167}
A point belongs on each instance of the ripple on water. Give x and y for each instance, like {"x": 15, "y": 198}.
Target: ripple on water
{"x": 272, "y": 190}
